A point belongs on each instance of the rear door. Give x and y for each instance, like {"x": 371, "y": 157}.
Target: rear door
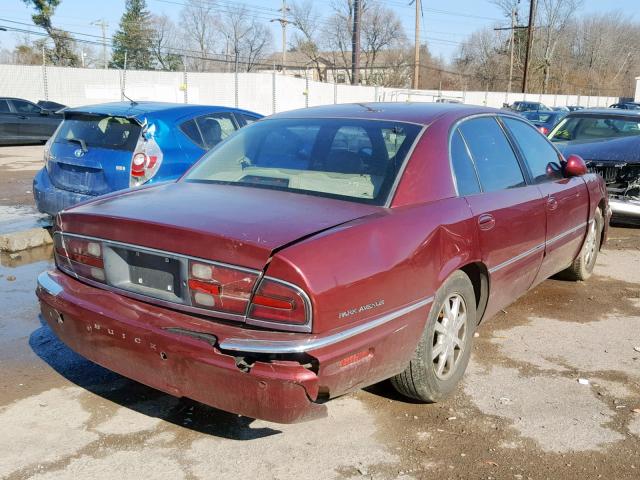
{"x": 34, "y": 123}
{"x": 508, "y": 211}
{"x": 566, "y": 199}
{"x": 105, "y": 164}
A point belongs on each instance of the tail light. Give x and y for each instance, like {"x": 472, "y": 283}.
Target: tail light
{"x": 279, "y": 302}
{"x": 80, "y": 257}
{"x": 145, "y": 162}
{"x": 543, "y": 130}
{"x": 219, "y": 288}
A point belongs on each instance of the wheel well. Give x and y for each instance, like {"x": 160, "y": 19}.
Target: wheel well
{"x": 479, "y": 277}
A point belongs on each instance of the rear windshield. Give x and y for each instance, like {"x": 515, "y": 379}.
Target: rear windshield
{"x": 592, "y": 128}
{"x": 540, "y": 116}
{"x": 114, "y": 133}
{"x": 345, "y": 158}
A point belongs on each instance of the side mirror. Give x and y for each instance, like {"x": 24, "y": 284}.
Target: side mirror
{"x": 575, "y": 166}
{"x": 45, "y": 112}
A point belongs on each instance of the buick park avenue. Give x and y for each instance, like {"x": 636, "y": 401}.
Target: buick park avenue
{"x": 322, "y": 250}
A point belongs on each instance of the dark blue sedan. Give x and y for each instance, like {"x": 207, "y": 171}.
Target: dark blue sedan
{"x": 99, "y": 149}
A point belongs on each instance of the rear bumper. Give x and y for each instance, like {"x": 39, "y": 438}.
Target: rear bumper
{"x": 150, "y": 345}
{"x": 50, "y": 199}
{"x": 624, "y": 207}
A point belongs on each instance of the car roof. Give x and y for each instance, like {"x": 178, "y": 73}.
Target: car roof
{"x": 143, "y": 109}
{"x": 412, "y": 112}
{"x": 605, "y": 111}
{"x": 16, "y": 98}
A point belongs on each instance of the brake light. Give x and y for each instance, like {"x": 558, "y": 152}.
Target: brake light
{"x": 80, "y": 256}
{"x": 276, "y": 301}
{"x": 220, "y": 288}
{"x": 543, "y": 130}
{"x": 145, "y": 162}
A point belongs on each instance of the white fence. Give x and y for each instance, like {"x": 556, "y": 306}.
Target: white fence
{"x": 264, "y": 92}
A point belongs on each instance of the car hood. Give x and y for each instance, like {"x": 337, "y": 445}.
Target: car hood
{"x": 227, "y": 223}
{"x": 609, "y": 150}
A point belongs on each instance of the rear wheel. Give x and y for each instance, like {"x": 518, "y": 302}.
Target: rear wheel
{"x": 583, "y": 264}
{"x": 442, "y": 355}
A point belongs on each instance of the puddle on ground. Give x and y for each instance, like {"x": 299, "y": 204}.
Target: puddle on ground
{"x": 18, "y": 304}
{"x": 20, "y": 218}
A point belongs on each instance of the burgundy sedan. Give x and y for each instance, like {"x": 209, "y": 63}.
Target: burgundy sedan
{"x": 323, "y": 250}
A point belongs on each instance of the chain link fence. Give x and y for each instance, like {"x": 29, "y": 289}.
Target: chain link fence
{"x": 264, "y": 92}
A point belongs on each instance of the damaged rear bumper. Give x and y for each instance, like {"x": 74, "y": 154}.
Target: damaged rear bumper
{"x": 139, "y": 345}
{"x": 50, "y": 199}
{"x": 278, "y": 376}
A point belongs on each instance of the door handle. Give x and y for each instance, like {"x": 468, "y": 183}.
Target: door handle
{"x": 552, "y": 204}
{"x": 486, "y": 221}
{"x": 22, "y": 117}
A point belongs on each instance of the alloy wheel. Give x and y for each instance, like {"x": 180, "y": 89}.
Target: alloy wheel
{"x": 449, "y": 336}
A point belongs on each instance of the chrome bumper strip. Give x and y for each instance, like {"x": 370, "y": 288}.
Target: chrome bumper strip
{"x": 46, "y": 283}
{"x": 621, "y": 207}
{"x": 299, "y": 346}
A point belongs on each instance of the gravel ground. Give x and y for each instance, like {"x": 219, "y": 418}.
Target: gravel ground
{"x": 521, "y": 412}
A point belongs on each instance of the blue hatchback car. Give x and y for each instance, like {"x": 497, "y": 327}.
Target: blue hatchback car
{"x": 102, "y": 148}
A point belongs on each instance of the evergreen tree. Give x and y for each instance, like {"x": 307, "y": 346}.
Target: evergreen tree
{"x": 135, "y": 37}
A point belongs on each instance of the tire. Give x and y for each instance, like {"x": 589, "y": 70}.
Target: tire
{"x": 583, "y": 264}
{"x": 421, "y": 380}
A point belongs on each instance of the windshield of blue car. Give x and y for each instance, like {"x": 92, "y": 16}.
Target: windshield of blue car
{"x": 99, "y": 131}
{"x": 351, "y": 159}
{"x": 591, "y": 127}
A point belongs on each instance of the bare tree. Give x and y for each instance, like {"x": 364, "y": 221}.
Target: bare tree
{"x": 307, "y": 38}
{"x": 200, "y": 25}
{"x": 381, "y": 30}
{"x": 248, "y": 40}
{"x": 164, "y": 43}
{"x": 553, "y": 16}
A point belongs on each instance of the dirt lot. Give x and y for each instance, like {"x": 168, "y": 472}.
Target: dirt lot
{"x": 18, "y": 165}
{"x": 520, "y": 414}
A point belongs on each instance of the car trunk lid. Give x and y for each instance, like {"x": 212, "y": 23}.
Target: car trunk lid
{"x": 91, "y": 154}
{"x": 232, "y": 224}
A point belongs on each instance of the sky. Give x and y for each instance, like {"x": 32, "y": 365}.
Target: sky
{"x": 445, "y": 23}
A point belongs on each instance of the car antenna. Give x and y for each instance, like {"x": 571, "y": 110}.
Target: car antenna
{"x": 133, "y": 102}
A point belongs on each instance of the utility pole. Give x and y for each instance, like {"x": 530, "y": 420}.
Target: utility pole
{"x": 532, "y": 13}
{"x": 416, "y": 54}
{"x": 355, "y": 43}
{"x": 513, "y": 37}
{"x": 283, "y": 23}
{"x": 103, "y": 25}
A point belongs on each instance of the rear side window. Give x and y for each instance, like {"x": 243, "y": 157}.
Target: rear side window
{"x": 191, "y": 130}
{"x": 209, "y": 130}
{"x": 542, "y": 159}
{"x": 495, "y": 161}
{"x": 466, "y": 179}
{"x": 25, "y": 107}
{"x": 4, "y": 107}
{"x": 112, "y": 133}
{"x": 248, "y": 118}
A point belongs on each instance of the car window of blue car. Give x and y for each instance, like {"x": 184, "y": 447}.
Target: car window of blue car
{"x": 209, "y": 130}
{"x": 248, "y": 118}
{"x": 495, "y": 161}
{"x": 191, "y": 130}
{"x": 541, "y": 158}
{"x": 4, "y": 107}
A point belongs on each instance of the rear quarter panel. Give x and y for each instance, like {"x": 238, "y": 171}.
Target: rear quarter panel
{"x": 179, "y": 153}
{"x": 375, "y": 266}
